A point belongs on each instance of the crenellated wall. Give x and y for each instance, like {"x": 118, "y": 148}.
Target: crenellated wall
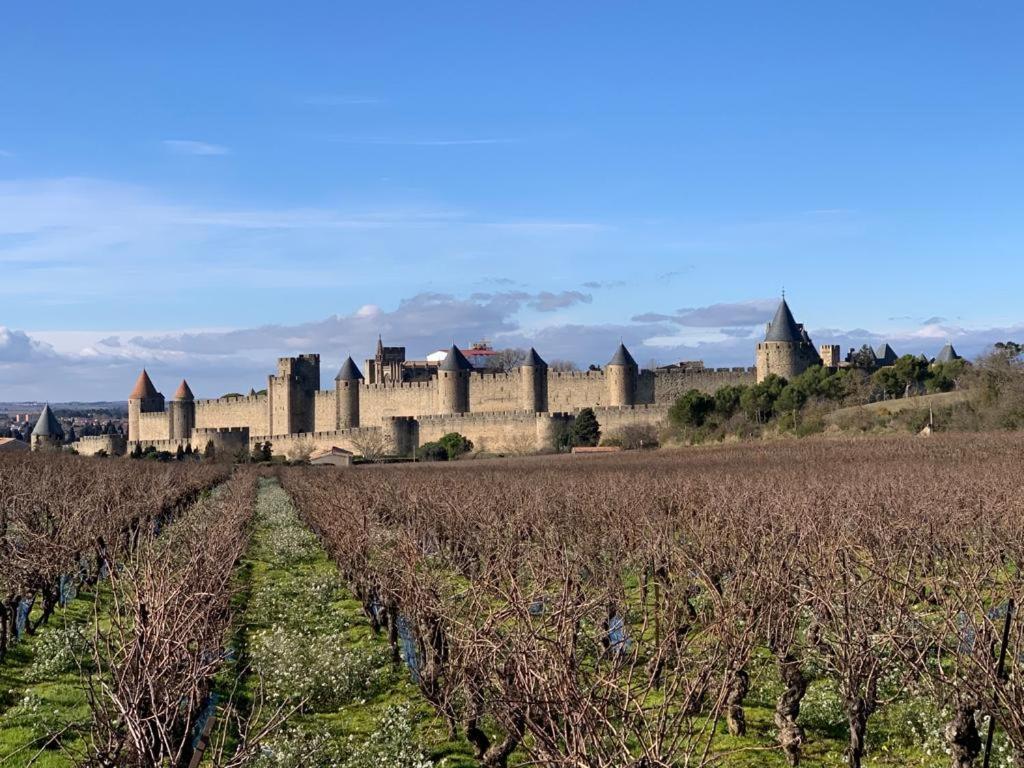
{"x": 249, "y": 410}
{"x": 570, "y": 390}
{"x": 668, "y": 384}
{"x": 379, "y": 401}
{"x": 90, "y": 445}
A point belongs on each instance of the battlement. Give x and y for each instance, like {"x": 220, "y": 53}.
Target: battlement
{"x": 382, "y": 386}
{"x": 580, "y": 375}
{"x": 231, "y": 400}
{"x": 210, "y": 431}
{"x": 482, "y": 416}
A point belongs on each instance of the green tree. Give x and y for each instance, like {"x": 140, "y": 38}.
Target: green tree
{"x": 455, "y": 445}
{"x": 585, "y": 430}
{"x": 691, "y": 409}
{"x": 727, "y": 399}
{"x": 791, "y": 399}
{"x": 758, "y": 401}
{"x": 942, "y": 377}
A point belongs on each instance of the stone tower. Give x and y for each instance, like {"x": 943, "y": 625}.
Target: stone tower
{"x": 621, "y": 374}
{"x": 48, "y": 433}
{"x": 453, "y": 383}
{"x": 143, "y": 399}
{"x": 346, "y": 385}
{"x": 183, "y": 413}
{"x": 292, "y": 394}
{"x": 787, "y": 350}
{"x": 533, "y": 374}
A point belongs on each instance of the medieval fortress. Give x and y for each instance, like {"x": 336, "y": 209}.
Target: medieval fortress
{"x": 401, "y": 404}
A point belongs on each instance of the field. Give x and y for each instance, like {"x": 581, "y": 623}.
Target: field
{"x": 814, "y": 602}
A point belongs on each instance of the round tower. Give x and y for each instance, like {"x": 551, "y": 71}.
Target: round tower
{"x": 183, "y": 412}
{"x": 47, "y": 433}
{"x": 143, "y": 399}
{"x": 621, "y": 374}
{"x": 453, "y": 383}
{"x": 787, "y": 350}
{"x": 533, "y": 375}
{"x": 346, "y": 385}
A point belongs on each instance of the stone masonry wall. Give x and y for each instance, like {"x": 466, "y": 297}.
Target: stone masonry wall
{"x": 378, "y": 401}
{"x": 247, "y": 411}
{"x": 490, "y": 392}
{"x": 154, "y": 426}
{"x": 667, "y": 385}
{"x": 572, "y": 390}
{"x": 510, "y": 432}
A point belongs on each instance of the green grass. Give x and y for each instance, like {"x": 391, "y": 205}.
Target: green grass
{"x": 286, "y": 567}
{"x": 60, "y": 697}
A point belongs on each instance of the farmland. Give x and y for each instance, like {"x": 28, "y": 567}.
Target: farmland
{"x": 815, "y": 602}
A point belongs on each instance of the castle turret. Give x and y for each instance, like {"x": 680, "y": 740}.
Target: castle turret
{"x": 453, "y": 383}
{"x": 787, "y": 350}
{"x": 346, "y": 385}
{"x": 621, "y": 374}
{"x": 183, "y": 412}
{"x": 48, "y": 433}
{"x": 533, "y": 374}
{"x": 143, "y": 399}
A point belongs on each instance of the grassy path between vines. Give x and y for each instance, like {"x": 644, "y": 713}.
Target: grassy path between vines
{"x": 301, "y": 631}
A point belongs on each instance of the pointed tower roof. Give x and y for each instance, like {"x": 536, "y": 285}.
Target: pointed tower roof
{"x": 380, "y": 345}
{"x": 783, "y": 326}
{"x": 622, "y": 357}
{"x": 456, "y": 361}
{"x": 533, "y": 360}
{"x": 143, "y": 387}
{"x": 47, "y": 425}
{"x": 886, "y": 355}
{"x": 349, "y": 371}
{"x": 947, "y": 355}
{"x": 184, "y": 392}
{"x": 252, "y": 391}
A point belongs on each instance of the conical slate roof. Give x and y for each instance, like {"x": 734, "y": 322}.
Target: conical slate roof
{"x": 947, "y": 355}
{"x": 456, "y": 361}
{"x": 783, "y": 326}
{"x": 622, "y": 357}
{"x": 349, "y": 371}
{"x": 143, "y": 387}
{"x": 533, "y": 360}
{"x": 184, "y": 392}
{"x": 47, "y": 425}
{"x": 885, "y": 354}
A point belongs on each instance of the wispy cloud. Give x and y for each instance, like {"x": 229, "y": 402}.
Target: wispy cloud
{"x": 190, "y": 147}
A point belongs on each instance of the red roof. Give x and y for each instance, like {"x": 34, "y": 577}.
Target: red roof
{"x": 143, "y": 388}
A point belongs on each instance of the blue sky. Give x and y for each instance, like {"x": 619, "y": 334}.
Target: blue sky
{"x": 203, "y": 188}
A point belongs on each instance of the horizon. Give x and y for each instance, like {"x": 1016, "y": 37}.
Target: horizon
{"x": 201, "y": 198}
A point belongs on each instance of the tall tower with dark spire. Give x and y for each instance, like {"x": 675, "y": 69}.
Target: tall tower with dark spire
{"x": 453, "y": 382}
{"x": 346, "y": 386}
{"x": 622, "y": 373}
{"x": 787, "y": 350}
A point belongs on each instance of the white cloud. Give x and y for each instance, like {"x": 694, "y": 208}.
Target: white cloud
{"x": 189, "y": 147}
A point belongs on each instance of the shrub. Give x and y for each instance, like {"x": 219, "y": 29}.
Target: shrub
{"x": 585, "y": 430}
{"x": 455, "y": 445}
{"x": 433, "y": 451}
{"x": 691, "y": 409}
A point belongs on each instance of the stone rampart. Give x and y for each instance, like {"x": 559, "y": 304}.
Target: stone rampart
{"x": 90, "y": 445}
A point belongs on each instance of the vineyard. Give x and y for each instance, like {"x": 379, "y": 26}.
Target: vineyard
{"x": 814, "y": 602}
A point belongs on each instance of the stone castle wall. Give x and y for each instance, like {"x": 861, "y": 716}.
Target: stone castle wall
{"x": 666, "y": 385}
{"x": 570, "y": 390}
{"x": 90, "y": 445}
{"x": 380, "y": 401}
{"x": 154, "y": 426}
{"x": 250, "y": 411}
